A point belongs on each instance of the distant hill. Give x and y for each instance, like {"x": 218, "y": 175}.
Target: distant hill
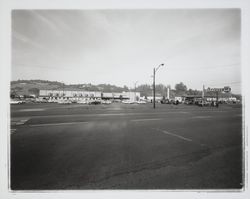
{"x": 32, "y": 87}
{"x": 28, "y": 87}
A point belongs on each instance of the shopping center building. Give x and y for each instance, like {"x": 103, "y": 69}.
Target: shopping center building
{"x": 80, "y": 94}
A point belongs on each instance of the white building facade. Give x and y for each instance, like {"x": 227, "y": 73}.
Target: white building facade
{"x": 78, "y": 94}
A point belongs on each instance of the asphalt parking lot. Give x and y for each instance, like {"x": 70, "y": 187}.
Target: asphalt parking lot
{"x": 125, "y": 146}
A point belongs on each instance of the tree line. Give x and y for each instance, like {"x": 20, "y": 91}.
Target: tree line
{"x": 33, "y": 87}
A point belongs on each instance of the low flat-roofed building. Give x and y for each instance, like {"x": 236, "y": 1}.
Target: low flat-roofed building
{"x": 79, "y": 94}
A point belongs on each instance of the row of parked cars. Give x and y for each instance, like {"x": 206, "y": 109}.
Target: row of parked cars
{"x": 133, "y": 102}
{"x": 71, "y": 101}
{"x": 191, "y": 102}
{"x": 95, "y": 102}
{"x": 82, "y": 101}
{"x": 59, "y": 101}
{"x": 16, "y": 101}
{"x": 206, "y": 103}
{"x": 209, "y": 103}
{"x": 169, "y": 101}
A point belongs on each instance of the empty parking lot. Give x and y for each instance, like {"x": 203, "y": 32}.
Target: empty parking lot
{"x": 125, "y": 146}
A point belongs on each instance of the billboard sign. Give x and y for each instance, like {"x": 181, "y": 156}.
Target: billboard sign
{"x": 226, "y": 89}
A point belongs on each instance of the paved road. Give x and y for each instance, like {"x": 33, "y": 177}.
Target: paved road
{"x": 122, "y": 146}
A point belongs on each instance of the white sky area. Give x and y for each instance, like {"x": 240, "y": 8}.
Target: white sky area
{"x": 121, "y": 47}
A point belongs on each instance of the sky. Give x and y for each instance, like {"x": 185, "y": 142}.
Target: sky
{"x": 197, "y": 46}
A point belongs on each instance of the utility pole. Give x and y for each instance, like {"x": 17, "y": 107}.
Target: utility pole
{"x": 154, "y": 72}
{"x": 203, "y": 95}
{"x": 217, "y": 99}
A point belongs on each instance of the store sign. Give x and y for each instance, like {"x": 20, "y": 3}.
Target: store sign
{"x": 226, "y": 89}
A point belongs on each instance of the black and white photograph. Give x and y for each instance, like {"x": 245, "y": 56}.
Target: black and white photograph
{"x": 126, "y": 99}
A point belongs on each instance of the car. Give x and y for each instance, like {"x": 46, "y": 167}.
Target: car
{"x": 167, "y": 101}
{"x": 203, "y": 103}
{"x": 214, "y": 103}
{"x": 125, "y": 102}
{"x": 64, "y": 102}
{"x": 40, "y": 100}
{"x": 82, "y": 102}
{"x": 108, "y": 102}
{"x": 51, "y": 101}
{"x": 29, "y": 100}
{"x": 141, "y": 102}
{"x": 128, "y": 102}
{"x": 105, "y": 101}
{"x": 95, "y": 102}
{"x": 189, "y": 102}
{"x": 176, "y": 102}
{"x": 16, "y": 102}
{"x": 73, "y": 101}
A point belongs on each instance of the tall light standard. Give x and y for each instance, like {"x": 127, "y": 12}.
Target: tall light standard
{"x": 63, "y": 90}
{"x": 135, "y": 91}
{"x": 154, "y": 72}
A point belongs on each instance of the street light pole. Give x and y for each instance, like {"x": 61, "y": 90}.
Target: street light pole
{"x": 154, "y": 87}
{"x": 135, "y": 91}
{"x": 154, "y": 72}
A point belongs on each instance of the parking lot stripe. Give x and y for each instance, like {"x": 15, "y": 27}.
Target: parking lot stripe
{"x": 57, "y": 124}
{"x": 173, "y": 134}
{"x": 33, "y": 109}
{"x": 144, "y": 120}
{"x": 202, "y": 117}
{"x": 107, "y": 114}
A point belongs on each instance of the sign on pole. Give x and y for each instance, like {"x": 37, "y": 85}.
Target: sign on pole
{"x": 226, "y": 89}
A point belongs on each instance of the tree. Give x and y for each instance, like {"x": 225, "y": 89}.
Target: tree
{"x": 13, "y": 94}
{"x": 193, "y": 92}
{"x": 125, "y": 88}
{"x": 17, "y": 88}
{"x": 34, "y": 91}
{"x": 180, "y": 87}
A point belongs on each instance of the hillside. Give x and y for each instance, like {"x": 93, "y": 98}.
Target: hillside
{"x": 32, "y": 87}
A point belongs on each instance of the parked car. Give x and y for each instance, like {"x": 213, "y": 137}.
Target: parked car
{"x": 95, "y": 102}
{"x": 51, "y": 100}
{"x": 189, "y": 102}
{"x": 128, "y": 102}
{"x": 106, "y": 102}
{"x": 64, "y": 102}
{"x": 141, "y": 102}
{"x": 167, "y": 101}
{"x": 203, "y": 103}
{"x": 82, "y": 102}
{"x": 40, "y": 100}
{"x": 16, "y": 101}
{"x": 176, "y": 102}
{"x": 29, "y": 100}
